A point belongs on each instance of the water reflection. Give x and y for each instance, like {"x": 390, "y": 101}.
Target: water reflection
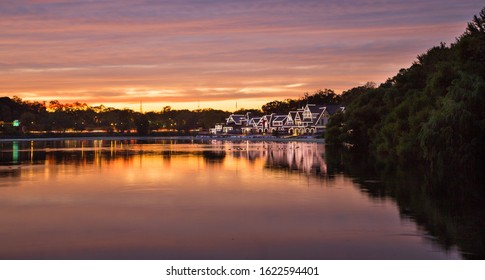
{"x": 447, "y": 209}
{"x": 171, "y": 199}
{"x": 307, "y": 157}
{"x": 214, "y": 156}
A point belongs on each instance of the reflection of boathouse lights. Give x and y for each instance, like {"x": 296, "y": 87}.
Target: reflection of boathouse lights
{"x": 97, "y": 144}
{"x": 31, "y": 151}
{"x": 15, "y": 152}
{"x": 82, "y": 149}
{"x": 247, "y": 149}
{"x": 111, "y": 146}
{"x": 237, "y": 166}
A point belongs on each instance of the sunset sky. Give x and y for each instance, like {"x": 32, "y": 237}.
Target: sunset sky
{"x": 212, "y": 52}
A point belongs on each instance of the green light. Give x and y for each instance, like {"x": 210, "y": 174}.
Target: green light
{"x": 16, "y": 123}
{"x": 15, "y": 152}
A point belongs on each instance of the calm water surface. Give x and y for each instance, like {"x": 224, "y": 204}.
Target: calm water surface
{"x": 195, "y": 200}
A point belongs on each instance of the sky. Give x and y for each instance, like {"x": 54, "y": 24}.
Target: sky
{"x": 220, "y": 54}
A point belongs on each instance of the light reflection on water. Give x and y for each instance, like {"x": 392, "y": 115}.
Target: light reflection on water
{"x": 193, "y": 200}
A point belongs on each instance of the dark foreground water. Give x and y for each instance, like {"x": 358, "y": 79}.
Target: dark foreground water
{"x": 216, "y": 200}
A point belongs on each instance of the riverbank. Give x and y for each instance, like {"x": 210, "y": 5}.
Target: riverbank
{"x": 135, "y": 137}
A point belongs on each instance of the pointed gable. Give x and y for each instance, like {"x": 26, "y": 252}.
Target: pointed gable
{"x": 307, "y": 113}
{"x": 235, "y": 119}
{"x": 291, "y": 118}
{"x": 299, "y": 117}
{"x": 255, "y": 121}
{"x": 278, "y": 120}
{"x": 299, "y": 114}
{"x": 327, "y": 111}
{"x": 332, "y": 109}
{"x": 311, "y": 112}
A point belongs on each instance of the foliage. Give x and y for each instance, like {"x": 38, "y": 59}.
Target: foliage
{"x": 431, "y": 113}
{"x": 242, "y": 111}
{"x": 327, "y": 97}
{"x": 78, "y": 117}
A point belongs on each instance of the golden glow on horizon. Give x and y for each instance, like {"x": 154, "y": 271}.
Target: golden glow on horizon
{"x": 226, "y": 105}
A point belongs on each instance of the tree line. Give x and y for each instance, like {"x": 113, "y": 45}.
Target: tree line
{"x": 80, "y": 117}
{"x": 432, "y": 112}
{"x": 326, "y": 96}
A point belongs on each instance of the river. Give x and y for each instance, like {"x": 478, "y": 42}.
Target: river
{"x": 185, "y": 199}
